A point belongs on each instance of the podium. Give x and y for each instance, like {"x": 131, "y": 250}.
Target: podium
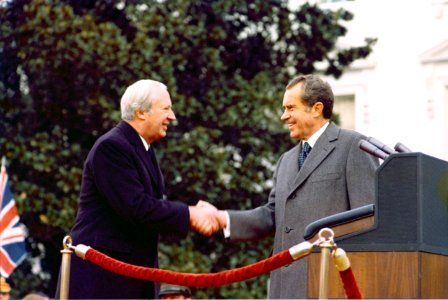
{"x": 405, "y": 253}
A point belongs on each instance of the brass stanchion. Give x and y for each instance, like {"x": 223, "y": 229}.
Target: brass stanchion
{"x": 326, "y": 244}
{"x": 65, "y": 267}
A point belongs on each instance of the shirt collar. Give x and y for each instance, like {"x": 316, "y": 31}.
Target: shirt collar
{"x": 144, "y": 143}
{"x": 313, "y": 139}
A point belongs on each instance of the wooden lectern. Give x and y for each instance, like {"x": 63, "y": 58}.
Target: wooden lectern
{"x": 404, "y": 254}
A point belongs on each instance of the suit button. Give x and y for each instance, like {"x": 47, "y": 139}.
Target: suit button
{"x": 288, "y": 229}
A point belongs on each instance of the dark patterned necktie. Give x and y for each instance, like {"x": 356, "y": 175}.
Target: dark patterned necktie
{"x": 306, "y": 148}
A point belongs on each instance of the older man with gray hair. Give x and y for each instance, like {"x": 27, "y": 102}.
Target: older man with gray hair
{"x": 122, "y": 209}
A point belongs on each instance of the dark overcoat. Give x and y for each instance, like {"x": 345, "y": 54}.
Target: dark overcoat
{"x": 121, "y": 213}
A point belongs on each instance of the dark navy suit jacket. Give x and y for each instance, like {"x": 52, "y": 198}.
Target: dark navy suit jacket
{"x": 121, "y": 213}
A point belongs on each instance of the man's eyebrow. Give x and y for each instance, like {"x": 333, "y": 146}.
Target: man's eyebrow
{"x": 289, "y": 106}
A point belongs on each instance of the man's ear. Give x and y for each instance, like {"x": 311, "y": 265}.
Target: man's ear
{"x": 139, "y": 114}
{"x": 318, "y": 109}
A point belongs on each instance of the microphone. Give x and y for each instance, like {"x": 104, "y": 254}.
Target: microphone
{"x": 381, "y": 145}
{"x": 402, "y": 148}
{"x": 372, "y": 149}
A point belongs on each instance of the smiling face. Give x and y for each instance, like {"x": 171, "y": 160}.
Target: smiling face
{"x": 154, "y": 123}
{"x": 301, "y": 119}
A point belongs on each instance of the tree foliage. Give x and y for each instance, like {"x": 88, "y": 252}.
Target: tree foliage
{"x": 65, "y": 63}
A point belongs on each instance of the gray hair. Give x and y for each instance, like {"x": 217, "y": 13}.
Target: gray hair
{"x": 138, "y": 96}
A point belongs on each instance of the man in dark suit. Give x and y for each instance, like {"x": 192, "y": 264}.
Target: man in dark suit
{"x": 332, "y": 176}
{"x": 122, "y": 211}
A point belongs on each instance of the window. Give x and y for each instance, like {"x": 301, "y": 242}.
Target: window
{"x": 333, "y": 1}
{"x": 344, "y": 107}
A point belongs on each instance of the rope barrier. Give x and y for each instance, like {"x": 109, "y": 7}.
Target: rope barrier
{"x": 190, "y": 279}
{"x": 342, "y": 264}
{"x": 283, "y": 258}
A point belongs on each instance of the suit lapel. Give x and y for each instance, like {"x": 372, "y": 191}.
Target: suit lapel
{"x": 156, "y": 169}
{"x": 152, "y": 167}
{"x": 292, "y": 166}
{"x": 132, "y": 136}
{"x": 323, "y": 147}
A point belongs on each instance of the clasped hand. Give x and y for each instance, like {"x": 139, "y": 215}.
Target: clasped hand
{"x": 206, "y": 219}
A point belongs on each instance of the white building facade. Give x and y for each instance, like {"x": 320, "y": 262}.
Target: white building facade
{"x": 400, "y": 92}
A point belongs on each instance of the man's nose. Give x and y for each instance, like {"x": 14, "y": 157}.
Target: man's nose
{"x": 172, "y": 116}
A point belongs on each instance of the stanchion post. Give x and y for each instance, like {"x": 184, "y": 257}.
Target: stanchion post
{"x": 326, "y": 244}
{"x": 65, "y": 268}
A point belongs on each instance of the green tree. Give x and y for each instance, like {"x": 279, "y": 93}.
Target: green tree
{"x": 65, "y": 64}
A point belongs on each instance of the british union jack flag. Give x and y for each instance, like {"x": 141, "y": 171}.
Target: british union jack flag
{"x": 12, "y": 232}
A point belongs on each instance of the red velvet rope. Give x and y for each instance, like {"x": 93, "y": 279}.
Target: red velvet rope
{"x": 350, "y": 286}
{"x": 190, "y": 279}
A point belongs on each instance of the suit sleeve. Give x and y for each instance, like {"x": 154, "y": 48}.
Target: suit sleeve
{"x": 115, "y": 171}
{"x": 257, "y": 223}
{"x": 360, "y": 177}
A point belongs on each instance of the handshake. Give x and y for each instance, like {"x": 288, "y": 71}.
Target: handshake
{"x": 206, "y": 219}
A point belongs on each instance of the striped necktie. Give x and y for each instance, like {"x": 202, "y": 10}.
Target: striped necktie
{"x": 306, "y": 148}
